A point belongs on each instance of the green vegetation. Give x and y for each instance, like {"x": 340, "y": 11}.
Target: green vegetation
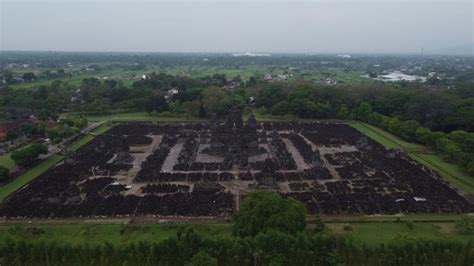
{"x": 27, "y": 156}
{"x": 375, "y": 234}
{"x": 95, "y": 234}
{"x": 4, "y": 173}
{"x": 7, "y": 161}
{"x": 466, "y": 225}
{"x": 264, "y": 211}
{"x": 389, "y": 218}
{"x": 141, "y": 117}
{"x": 28, "y": 176}
{"x": 370, "y": 230}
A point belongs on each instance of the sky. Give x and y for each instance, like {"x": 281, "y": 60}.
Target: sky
{"x": 267, "y": 26}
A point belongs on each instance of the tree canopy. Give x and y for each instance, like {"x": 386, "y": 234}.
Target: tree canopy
{"x": 263, "y": 211}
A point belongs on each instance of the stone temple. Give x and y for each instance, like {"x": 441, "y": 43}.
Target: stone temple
{"x": 233, "y": 139}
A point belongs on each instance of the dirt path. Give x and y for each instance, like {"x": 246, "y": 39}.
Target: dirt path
{"x": 300, "y": 163}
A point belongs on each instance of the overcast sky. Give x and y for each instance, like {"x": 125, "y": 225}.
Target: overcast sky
{"x": 230, "y": 26}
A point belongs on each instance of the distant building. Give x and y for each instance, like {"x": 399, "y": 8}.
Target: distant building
{"x": 268, "y": 77}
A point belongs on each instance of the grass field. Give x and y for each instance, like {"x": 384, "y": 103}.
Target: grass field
{"x": 389, "y": 218}
{"x": 141, "y": 117}
{"x": 76, "y": 80}
{"x": 100, "y": 233}
{"x": 372, "y": 233}
{"x": 423, "y": 155}
{"x": 6, "y": 161}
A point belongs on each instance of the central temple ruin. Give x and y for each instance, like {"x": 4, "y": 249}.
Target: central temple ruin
{"x": 233, "y": 139}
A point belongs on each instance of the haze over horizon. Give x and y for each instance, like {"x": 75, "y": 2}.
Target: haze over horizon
{"x": 266, "y": 26}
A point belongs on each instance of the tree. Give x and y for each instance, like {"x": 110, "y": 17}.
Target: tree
{"x": 215, "y": 100}
{"x": 465, "y": 225}
{"x": 363, "y": 111}
{"x": 451, "y": 151}
{"x": 470, "y": 167}
{"x": 26, "y": 156}
{"x": 251, "y": 82}
{"x": 263, "y": 211}
{"x": 29, "y": 76}
{"x": 8, "y": 77}
{"x": 394, "y": 126}
{"x": 193, "y": 108}
{"x": 423, "y": 135}
{"x": 343, "y": 112}
{"x": 157, "y": 103}
{"x": 4, "y": 173}
{"x": 408, "y": 129}
{"x": 281, "y": 108}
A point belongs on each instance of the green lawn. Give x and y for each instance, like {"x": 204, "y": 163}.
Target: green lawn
{"x": 77, "y": 80}
{"x": 99, "y": 233}
{"x": 28, "y": 176}
{"x": 423, "y": 155}
{"x": 389, "y": 218}
{"x": 141, "y": 117}
{"x": 6, "y": 161}
{"x": 374, "y": 234}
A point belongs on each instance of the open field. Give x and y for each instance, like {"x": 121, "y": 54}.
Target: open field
{"x": 193, "y": 71}
{"x": 112, "y": 233}
{"x": 76, "y": 80}
{"x": 141, "y": 117}
{"x": 371, "y": 233}
{"x": 374, "y": 234}
{"x": 6, "y": 161}
{"x": 451, "y": 172}
{"x": 352, "y": 77}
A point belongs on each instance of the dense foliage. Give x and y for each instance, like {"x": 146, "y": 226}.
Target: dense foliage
{"x": 263, "y": 211}
{"x": 4, "y": 173}
{"x": 270, "y": 248}
{"x": 27, "y": 156}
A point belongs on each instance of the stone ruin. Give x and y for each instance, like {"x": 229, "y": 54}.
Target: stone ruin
{"x": 233, "y": 139}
